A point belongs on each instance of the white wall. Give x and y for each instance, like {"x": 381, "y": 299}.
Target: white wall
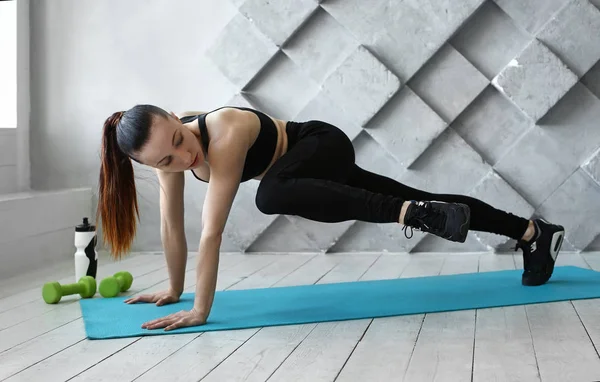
{"x": 8, "y": 160}
{"x": 23, "y": 163}
{"x": 90, "y": 58}
{"x": 8, "y": 64}
{"x": 8, "y": 97}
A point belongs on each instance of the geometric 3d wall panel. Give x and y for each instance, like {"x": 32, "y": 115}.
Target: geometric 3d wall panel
{"x": 497, "y": 99}
{"x": 535, "y": 80}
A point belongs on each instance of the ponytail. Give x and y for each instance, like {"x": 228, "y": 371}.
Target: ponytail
{"x": 117, "y": 200}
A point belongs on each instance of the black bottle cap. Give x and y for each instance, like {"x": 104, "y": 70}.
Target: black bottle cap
{"x": 85, "y": 226}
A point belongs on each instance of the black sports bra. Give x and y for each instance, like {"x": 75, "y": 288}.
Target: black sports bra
{"x": 261, "y": 153}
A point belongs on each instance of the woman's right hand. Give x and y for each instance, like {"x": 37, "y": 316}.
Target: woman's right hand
{"x": 160, "y": 298}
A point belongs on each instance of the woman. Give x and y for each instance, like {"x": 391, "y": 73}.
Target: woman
{"x": 306, "y": 169}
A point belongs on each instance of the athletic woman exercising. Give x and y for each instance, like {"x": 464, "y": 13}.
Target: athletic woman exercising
{"x": 306, "y": 169}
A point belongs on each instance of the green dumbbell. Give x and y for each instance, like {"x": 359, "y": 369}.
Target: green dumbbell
{"x": 112, "y": 285}
{"x": 52, "y": 292}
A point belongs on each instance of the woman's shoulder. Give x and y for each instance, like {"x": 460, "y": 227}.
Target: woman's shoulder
{"x": 232, "y": 119}
{"x": 228, "y": 112}
{"x": 227, "y": 121}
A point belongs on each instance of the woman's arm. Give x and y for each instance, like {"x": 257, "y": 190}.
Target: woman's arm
{"x": 228, "y": 155}
{"x": 172, "y": 227}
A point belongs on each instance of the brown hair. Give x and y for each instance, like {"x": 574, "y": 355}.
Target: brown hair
{"x": 124, "y": 133}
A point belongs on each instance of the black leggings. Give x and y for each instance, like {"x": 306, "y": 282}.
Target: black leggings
{"x": 318, "y": 179}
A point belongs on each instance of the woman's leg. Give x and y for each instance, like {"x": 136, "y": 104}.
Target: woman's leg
{"x": 311, "y": 180}
{"x": 540, "y": 240}
{"x": 318, "y": 179}
{"x": 540, "y": 247}
{"x": 484, "y": 217}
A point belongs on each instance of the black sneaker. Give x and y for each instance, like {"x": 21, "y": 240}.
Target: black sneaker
{"x": 447, "y": 220}
{"x": 539, "y": 254}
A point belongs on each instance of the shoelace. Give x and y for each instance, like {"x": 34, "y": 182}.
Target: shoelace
{"x": 425, "y": 217}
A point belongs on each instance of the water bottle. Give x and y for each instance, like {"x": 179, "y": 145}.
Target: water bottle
{"x": 86, "y": 257}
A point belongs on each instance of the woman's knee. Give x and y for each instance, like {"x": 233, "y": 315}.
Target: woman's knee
{"x": 269, "y": 195}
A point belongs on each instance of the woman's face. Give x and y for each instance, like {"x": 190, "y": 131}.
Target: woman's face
{"x": 172, "y": 146}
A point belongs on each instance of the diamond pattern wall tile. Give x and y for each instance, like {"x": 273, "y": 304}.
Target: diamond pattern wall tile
{"x": 241, "y": 51}
{"x": 531, "y": 15}
{"x": 370, "y": 157}
{"x": 406, "y": 127}
{"x": 412, "y": 31}
{"x": 403, "y": 57}
{"x": 316, "y": 55}
{"x": 579, "y": 215}
{"x": 594, "y": 245}
{"x": 574, "y": 35}
{"x": 535, "y": 80}
{"x": 592, "y": 79}
{"x": 448, "y": 83}
{"x": 568, "y": 247}
{"x": 324, "y": 235}
{"x": 432, "y": 243}
{"x": 324, "y": 109}
{"x": 491, "y": 124}
{"x": 574, "y": 123}
{"x": 367, "y": 237}
{"x": 237, "y": 3}
{"x": 490, "y": 39}
{"x": 449, "y": 12}
{"x": 239, "y": 100}
{"x": 534, "y": 166}
{"x": 448, "y": 166}
{"x": 283, "y": 236}
{"x": 282, "y": 89}
{"x": 278, "y": 20}
{"x": 361, "y": 85}
{"x": 361, "y": 18}
{"x": 496, "y": 192}
{"x": 592, "y": 167}
{"x": 443, "y": 17}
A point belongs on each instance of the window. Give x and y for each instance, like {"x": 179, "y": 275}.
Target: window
{"x": 8, "y": 64}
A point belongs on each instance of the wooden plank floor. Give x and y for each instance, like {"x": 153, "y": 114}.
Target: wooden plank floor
{"x": 542, "y": 342}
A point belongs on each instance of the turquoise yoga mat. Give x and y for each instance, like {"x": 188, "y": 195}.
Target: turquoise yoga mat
{"x": 237, "y": 309}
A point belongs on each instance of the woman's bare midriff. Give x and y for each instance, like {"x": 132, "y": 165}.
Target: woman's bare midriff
{"x": 281, "y": 148}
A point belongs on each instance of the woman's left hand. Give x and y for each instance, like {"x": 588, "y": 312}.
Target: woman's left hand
{"x": 177, "y": 320}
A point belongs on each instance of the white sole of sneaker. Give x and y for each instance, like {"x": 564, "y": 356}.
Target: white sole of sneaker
{"x": 556, "y": 244}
